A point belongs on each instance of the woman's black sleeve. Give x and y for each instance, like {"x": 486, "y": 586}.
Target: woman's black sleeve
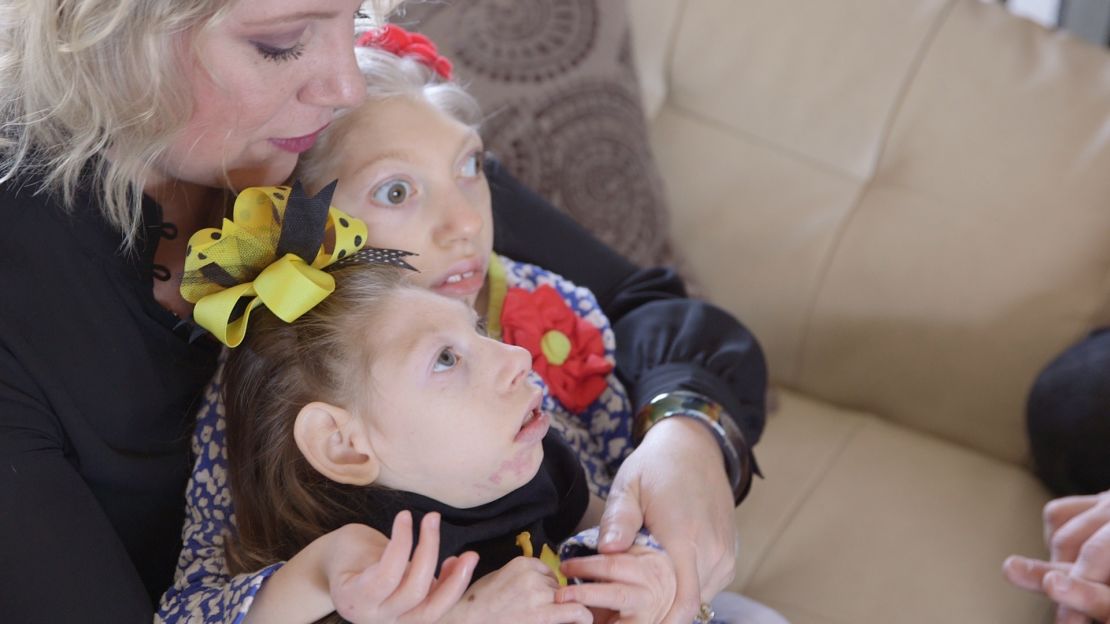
{"x": 62, "y": 560}
{"x": 665, "y": 340}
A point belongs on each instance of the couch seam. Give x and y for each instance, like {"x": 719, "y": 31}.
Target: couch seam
{"x": 671, "y": 45}
{"x": 866, "y": 183}
{"x": 755, "y": 139}
{"x": 807, "y": 493}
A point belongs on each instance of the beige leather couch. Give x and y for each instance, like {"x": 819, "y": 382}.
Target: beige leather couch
{"x": 908, "y": 201}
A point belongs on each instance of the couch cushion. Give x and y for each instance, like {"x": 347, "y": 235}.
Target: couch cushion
{"x": 906, "y": 200}
{"x": 864, "y": 521}
{"x": 558, "y": 83}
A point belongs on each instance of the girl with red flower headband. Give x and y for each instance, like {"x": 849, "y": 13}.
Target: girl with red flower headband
{"x": 411, "y": 165}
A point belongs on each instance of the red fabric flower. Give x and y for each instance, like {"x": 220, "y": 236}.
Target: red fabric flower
{"x": 393, "y": 38}
{"x": 566, "y": 349}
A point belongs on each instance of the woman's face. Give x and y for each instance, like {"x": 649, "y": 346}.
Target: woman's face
{"x": 414, "y": 175}
{"x": 265, "y": 81}
{"x": 453, "y": 415}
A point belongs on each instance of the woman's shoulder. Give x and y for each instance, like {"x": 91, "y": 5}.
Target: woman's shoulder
{"x": 38, "y": 221}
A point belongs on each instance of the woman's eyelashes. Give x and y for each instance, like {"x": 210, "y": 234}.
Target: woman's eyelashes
{"x": 278, "y": 54}
{"x": 281, "y": 46}
{"x": 446, "y": 360}
{"x": 392, "y": 192}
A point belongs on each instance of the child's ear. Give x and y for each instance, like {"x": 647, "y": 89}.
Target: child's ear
{"x": 334, "y": 441}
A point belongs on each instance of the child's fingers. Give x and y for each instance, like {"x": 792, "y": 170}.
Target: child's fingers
{"x": 421, "y": 569}
{"x": 453, "y": 580}
{"x": 620, "y": 597}
{"x": 1092, "y": 599}
{"x": 390, "y": 569}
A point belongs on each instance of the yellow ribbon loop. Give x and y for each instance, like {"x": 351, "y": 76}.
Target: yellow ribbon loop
{"x": 232, "y": 270}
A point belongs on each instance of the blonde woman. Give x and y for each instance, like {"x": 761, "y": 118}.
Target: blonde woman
{"x": 125, "y": 127}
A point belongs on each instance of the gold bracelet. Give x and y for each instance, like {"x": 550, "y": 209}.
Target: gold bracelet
{"x": 738, "y": 462}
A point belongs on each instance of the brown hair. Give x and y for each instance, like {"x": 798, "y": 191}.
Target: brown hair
{"x": 281, "y": 502}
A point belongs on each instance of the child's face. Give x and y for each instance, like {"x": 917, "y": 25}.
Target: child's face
{"x": 452, "y": 413}
{"x": 414, "y": 175}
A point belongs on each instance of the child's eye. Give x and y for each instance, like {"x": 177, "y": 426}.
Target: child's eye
{"x": 482, "y": 327}
{"x": 446, "y": 360}
{"x": 394, "y": 192}
{"x": 472, "y": 166}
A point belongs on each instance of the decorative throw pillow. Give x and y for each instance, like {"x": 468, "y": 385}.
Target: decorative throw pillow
{"x": 558, "y": 85}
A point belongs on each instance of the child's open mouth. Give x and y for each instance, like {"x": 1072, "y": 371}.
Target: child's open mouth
{"x": 535, "y": 425}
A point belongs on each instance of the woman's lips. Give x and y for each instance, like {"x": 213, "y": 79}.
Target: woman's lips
{"x": 298, "y": 145}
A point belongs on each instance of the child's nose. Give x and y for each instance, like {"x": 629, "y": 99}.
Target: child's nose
{"x": 517, "y": 365}
{"x": 461, "y": 221}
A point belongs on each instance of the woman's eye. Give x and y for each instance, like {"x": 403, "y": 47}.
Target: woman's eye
{"x": 472, "y": 167}
{"x": 393, "y": 193}
{"x": 279, "y": 54}
{"x": 446, "y": 360}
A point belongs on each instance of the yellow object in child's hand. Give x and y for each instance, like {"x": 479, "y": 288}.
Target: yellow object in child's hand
{"x": 548, "y": 556}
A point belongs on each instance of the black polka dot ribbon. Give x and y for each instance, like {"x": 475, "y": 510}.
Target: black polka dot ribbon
{"x": 271, "y": 252}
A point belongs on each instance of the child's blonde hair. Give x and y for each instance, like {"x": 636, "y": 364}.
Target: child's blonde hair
{"x": 387, "y": 76}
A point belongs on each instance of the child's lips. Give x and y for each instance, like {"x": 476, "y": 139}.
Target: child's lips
{"x": 534, "y": 428}
{"x": 462, "y": 280}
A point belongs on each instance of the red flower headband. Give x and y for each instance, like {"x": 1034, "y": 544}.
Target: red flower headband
{"x": 397, "y": 40}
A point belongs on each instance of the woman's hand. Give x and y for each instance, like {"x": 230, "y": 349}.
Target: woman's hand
{"x": 522, "y": 592}
{"x": 1077, "y": 530}
{"x": 677, "y": 467}
{"x": 637, "y": 587}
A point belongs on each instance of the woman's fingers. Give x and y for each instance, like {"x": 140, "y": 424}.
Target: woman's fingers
{"x": 569, "y": 613}
{"x": 687, "y": 597}
{"x": 1069, "y": 538}
{"x": 1093, "y": 562}
{"x": 622, "y": 518}
{"x": 1029, "y": 573}
{"x": 615, "y": 596}
{"x": 1057, "y": 512}
{"x": 1086, "y": 597}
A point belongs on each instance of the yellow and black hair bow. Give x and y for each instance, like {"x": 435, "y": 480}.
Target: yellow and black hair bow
{"x": 272, "y": 252}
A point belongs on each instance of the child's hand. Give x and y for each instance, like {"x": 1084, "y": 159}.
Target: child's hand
{"x": 635, "y": 586}
{"x": 372, "y": 580}
{"x": 522, "y": 592}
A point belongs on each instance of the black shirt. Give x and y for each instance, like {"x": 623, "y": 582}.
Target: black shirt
{"x": 549, "y": 507}
{"x": 98, "y": 390}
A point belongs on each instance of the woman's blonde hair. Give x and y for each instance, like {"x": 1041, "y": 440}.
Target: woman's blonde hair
{"x": 78, "y": 77}
{"x": 387, "y": 76}
{"x": 81, "y": 76}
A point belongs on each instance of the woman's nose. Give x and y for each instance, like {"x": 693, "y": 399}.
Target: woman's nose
{"x": 339, "y": 84}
